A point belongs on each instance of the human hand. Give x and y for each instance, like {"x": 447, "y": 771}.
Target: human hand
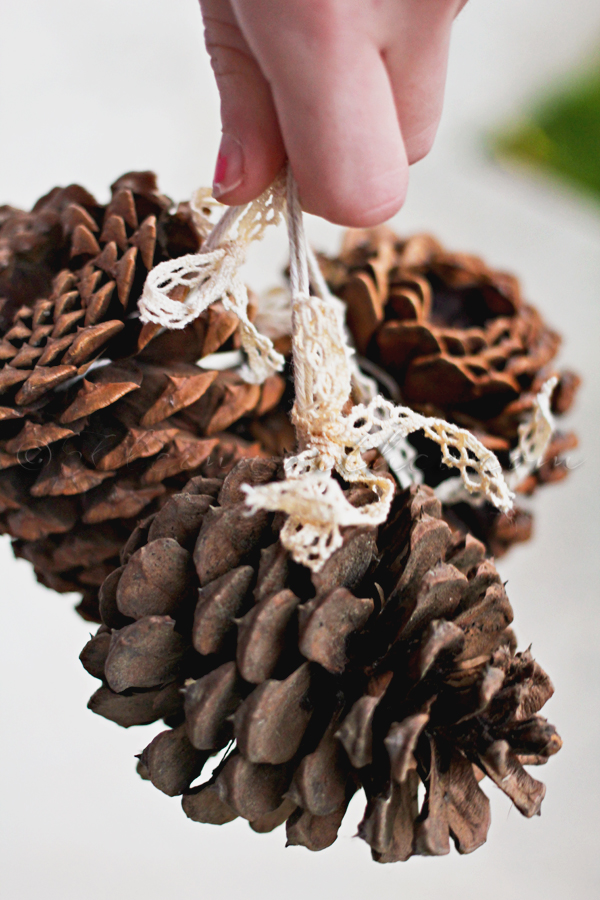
{"x": 351, "y": 91}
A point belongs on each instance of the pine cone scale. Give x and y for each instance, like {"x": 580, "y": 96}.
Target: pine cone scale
{"x": 452, "y": 338}
{"x": 73, "y": 352}
{"x": 405, "y": 675}
{"x": 271, "y": 722}
{"x": 209, "y": 704}
{"x": 146, "y": 653}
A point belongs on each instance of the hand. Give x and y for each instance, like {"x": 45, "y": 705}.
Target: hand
{"x": 350, "y": 91}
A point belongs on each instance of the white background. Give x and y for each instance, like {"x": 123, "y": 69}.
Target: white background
{"x": 89, "y": 90}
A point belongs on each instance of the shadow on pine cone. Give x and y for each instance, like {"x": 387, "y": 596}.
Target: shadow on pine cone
{"x": 450, "y": 337}
{"x": 101, "y": 418}
{"x": 392, "y": 667}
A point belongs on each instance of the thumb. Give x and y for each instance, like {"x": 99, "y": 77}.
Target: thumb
{"x": 251, "y": 151}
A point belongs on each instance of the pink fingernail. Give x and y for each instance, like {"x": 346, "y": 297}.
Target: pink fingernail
{"x": 229, "y": 171}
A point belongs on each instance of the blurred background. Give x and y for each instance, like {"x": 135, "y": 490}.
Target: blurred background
{"x": 89, "y": 90}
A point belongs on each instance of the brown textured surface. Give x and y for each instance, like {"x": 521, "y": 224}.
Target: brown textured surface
{"x": 451, "y": 337}
{"x": 394, "y": 667}
{"x": 112, "y": 447}
{"x": 114, "y": 441}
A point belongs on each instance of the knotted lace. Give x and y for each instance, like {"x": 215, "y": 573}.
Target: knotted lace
{"x": 333, "y": 436}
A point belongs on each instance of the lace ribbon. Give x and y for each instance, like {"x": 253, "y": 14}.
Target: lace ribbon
{"x": 331, "y": 439}
{"x": 199, "y": 279}
{"x": 535, "y": 434}
{"x": 332, "y": 435}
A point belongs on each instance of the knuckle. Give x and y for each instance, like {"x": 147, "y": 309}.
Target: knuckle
{"x": 225, "y": 62}
{"x": 226, "y": 47}
{"x": 319, "y": 23}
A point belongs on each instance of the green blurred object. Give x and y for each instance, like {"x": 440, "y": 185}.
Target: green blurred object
{"x": 563, "y": 134}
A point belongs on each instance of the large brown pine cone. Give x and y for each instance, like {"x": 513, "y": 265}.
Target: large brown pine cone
{"x": 392, "y": 667}
{"x": 450, "y": 337}
{"x": 101, "y": 418}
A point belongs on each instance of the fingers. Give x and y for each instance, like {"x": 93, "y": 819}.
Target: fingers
{"x": 251, "y": 152}
{"x": 417, "y": 60}
{"x": 353, "y": 92}
{"x": 335, "y": 108}
{"x": 345, "y": 147}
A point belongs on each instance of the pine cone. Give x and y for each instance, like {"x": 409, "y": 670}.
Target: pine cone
{"x": 103, "y": 418}
{"x": 393, "y": 666}
{"x": 450, "y": 337}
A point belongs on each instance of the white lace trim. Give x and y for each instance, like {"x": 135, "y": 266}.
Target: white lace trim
{"x": 213, "y": 274}
{"x": 535, "y": 435}
{"x": 274, "y": 319}
{"x": 330, "y": 437}
{"x": 331, "y": 440}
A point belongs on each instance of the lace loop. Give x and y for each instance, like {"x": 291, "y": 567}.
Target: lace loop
{"x": 331, "y": 438}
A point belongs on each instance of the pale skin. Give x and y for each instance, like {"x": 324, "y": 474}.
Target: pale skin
{"x": 350, "y": 91}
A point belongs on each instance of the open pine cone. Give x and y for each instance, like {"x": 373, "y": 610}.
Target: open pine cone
{"x": 392, "y": 667}
{"x": 450, "y": 337}
{"x": 101, "y": 418}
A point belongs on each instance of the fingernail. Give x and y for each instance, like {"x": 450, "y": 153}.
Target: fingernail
{"x": 229, "y": 171}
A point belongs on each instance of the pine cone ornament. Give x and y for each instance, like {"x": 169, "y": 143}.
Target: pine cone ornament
{"x": 101, "y": 418}
{"x": 450, "y": 337}
{"x": 392, "y": 667}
